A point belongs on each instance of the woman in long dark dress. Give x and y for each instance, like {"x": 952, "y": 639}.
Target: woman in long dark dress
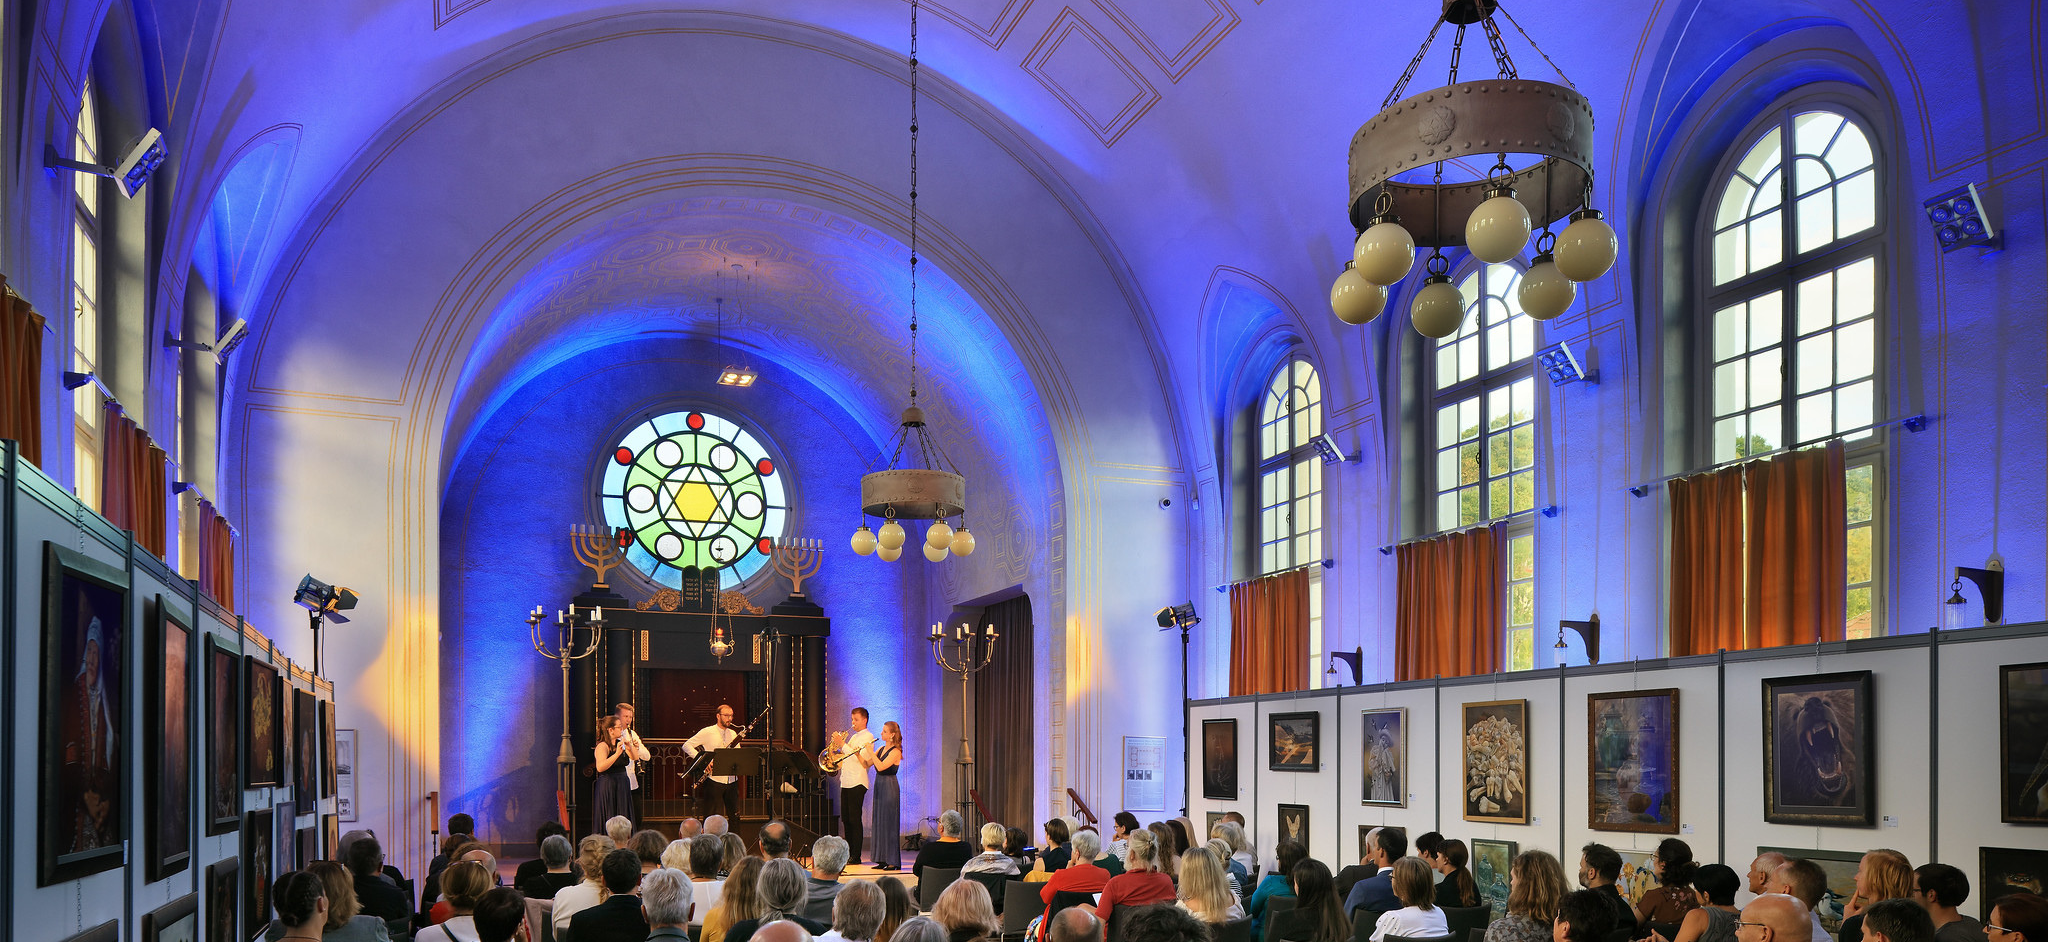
{"x": 887, "y": 760}
{"x": 611, "y": 794}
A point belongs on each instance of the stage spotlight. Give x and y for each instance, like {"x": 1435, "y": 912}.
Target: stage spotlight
{"x": 1179, "y": 616}
{"x": 323, "y": 599}
{"x": 1959, "y": 220}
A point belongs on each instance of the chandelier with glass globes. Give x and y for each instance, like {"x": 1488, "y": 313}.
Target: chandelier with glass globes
{"x": 1399, "y": 199}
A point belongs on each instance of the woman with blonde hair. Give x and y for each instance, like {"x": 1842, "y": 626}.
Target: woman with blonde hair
{"x": 1232, "y": 871}
{"x": 734, "y": 850}
{"x": 570, "y": 900}
{"x": 1141, "y": 883}
{"x": 676, "y": 856}
{"x": 1240, "y": 845}
{"x": 1205, "y": 888}
{"x": 1535, "y": 886}
{"x": 1418, "y": 917}
{"x": 966, "y": 912}
{"x": 462, "y": 884}
{"x": 991, "y": 859}
{"x": 1882, "y": 874}
{"x": 343, "y": 924}
{"x": 739, "y": 902}
{"x": 1169, "y": 851}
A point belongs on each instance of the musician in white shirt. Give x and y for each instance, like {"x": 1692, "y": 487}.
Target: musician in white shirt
{"x": 853, "y": 781}
{"x": 629, "y": 741}
{"x": 720, "y": 794}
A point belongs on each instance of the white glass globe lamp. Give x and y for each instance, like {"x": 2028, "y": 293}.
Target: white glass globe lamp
{"x": 936, "y": 554}
{"x": 1355, "y": 300}
{"x": 963, "y": 541}
{"x": 1384, "y": 251}
{"x": 1439, "y": 308}
{"x": 888, "y": 554}
{"x": 1499, "y": 228}
{"x": 891, "y": 536}
{"x": 1587, "y": 248}
{"x": 938, "y": 535}
{"x": 864, "y": 541}
{"x": 1545, "y": 291}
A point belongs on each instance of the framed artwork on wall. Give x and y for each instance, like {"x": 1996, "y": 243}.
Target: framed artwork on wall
{"x": 1840, "y": 866}
{"x": 1209, "y": 825}
{"x": 262, "y": 745}
{"x": 223, "y": 737}
{"x": 305, "y": 747}
{"x": 175, "y": 921}
{"x": 109, "y": 931}
{"x": 284, "y": 846}
{"x": 1632, "y": 761}
{"x": 223, "y": 900}
{"x": 1638, "y": 874}
{"x": 1491, "y": 862}
{"x": 1496, "y": 767}
{"x": 1294, "y": 742}
{"x": 167, "y": 746}
{"x": 307, "y": 843}
{"x": 345, "y": 773}
{"x": 2023, "y": 743}
{"x": 330, "y": 832}
{"x": 327, "y": 783}
{"x": 1294, "y": 825}
{"x": 1386, "y": 758}
{"x": 286, "y": 735}
{"x": 2003, "y": 871}
{"x": 1819, "y": 735}
{"x": 1219, "y": 760}
{"x": 82, "y": 768}
{"x": 257, "y": 835}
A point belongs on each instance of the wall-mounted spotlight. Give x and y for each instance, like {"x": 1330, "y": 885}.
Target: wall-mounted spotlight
{"x": 74, "y": 380}
{"x": 1326, "y": 448}
{"x": 1959, "y": 220}
{"x": 1557, "y": 362}
{"x": 740, "y": 376}
{"x": 138, "y": 161}
{"x": 1588, "y": 632}
{"x": 1990, "y": 585}
{"x": 1354, "y": 657}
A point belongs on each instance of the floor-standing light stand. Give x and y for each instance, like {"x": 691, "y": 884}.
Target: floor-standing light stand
{"x": 956, "y": 653}
{"x": 1183, "y": 617}
{"x": 563, "y": 653}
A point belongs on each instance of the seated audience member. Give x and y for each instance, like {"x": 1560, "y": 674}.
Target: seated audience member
{"x": 1881, "y": 874}
{"x": 1278, "y": 884}
{"x": 300, "y": 899}
{"x": 1169, "y": 850}
{"x": 1897, "y": 920}
{"x": 1418, "y": 917}
{"x": 1120, "y": 833}
{"x": 1109, "y": 862}
{"x": 1240, "y": 846}
{"x": 1673, "y": 896}
{"x": 1017, "y": 847}
{"x": 474, "y": 853}
{"x": 706, "y": 850}
{"x": 1317, "y": 915}
{"x": 781, "y": 930}
{"x": 589, "y": 890}
{"x": 556, "y": 873}
{"x": 828, "y": 861}
{"x": 1454, "y": 886}
{"x": 452, "y": 849}
{"x": 734, "y": 849}
{"x": 856, "y": 913}
{"x": 689, "y": 828}
{"x": 1233, "y": 871}
{"x": 780, "y": 889}
{"x": 951, "y": 851}
{"x": 1599, "y": 868}
{"x": 619, "y": 828}
{"x": 1535, "y": 885}
{"x": 991, "y": 859}
{"x": 648, "y": 846}
{"x": 1080, "y": 875}
{"x": 1806, "y": 882}
{"x": 897, "y": 907}
{"x": 676, "y": 856}
{"x": 1760, "y": 871}
{"x": 617, "y": 917}
{"x": 919, "y": 929}
{"x": 1164, "y": 924}
{"x": 463, "y": 883}
{"x": 1775, "y": 917}
{"x": 501, "y": 913}
{"x": 528, "y": 869}
{"x": 1373, "y": 892}
{"x": 1141, "y": 883}
{"x": 1583, "y": 916}
{"x": 1429, "y": 846}
{"x": 1183, "y": 832}
{"x": 379, "y": 897}
{"x": 966, "y": 912}
{"x": 1205, "y": 888}
{"x": 773, "y": 840}
{"x": 1942, "y": 889}
{"x": 461, "y": 830}
{"x": 716, "y": 824}
{"x": 1075, "y": 924}
{"x": 665, "y": 902}
{"x": 1052, "y": 857}
{"x": 740, "y": 901}
{"x": 2018, "y": 917}
{"x": 342, "y": 921}
{"x": 1714, "y": 920}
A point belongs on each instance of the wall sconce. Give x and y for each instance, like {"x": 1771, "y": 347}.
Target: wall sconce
{"x": 1326, "y": 448}
{"x": 1557, "y": 362}
{"x": 1959, "y": 221}
{"x": 1990, "y": 585}
{"x": 1354, "y": 657}
{"x": 1588, "y": 631}
{"x": 138, "y": 163}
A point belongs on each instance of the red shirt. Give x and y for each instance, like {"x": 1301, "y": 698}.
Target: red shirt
{"x": 1085, "y": 878}
{"x": 1134, "y": 888}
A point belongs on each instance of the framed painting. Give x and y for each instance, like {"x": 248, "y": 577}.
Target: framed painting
{"x": 109, "y": 931}
{"x": 308, "y": 846}
{"x": 327, "y": 782}
{"x": 1364, "y": 831}
{"x": 1840, "y": 866}
{"x": 167, "y": 746}
{"x": 1819, "y": 738}
{"x": 1386, "y": 758}
{"x": 175, "y": 921}
{"x": 345, "y": 773}
{"x": 1496, "y": 761}
{"x": 1219, "y": 760}
{"x": 1638, "y": 874}
{"x": 82, "y": 770}
{"x": 2023, "y": 743}
{"x": 258, "y": 833}
{"x": 223, "y": 900}
{"x": 1294, "y": 742}
{"x": 262, "y": 742}
{"x": 1294, "y": 825}
{"x": 330, "y": 836}
{"x": 1632, "y": 761}
{"x": 284, "y": 848}
{"x": 287, "y": 735}
{"x": 1209, "y": 826}
{"x": 223, "y": 737}
{"x": 1491, "y": 863}
{"x": 305, "y": 748}
{"x": 2003, "y": 871}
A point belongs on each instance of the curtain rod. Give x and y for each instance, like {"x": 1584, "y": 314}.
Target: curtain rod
{"x": 1326, "y": 563}
{"x": 1388, "y": 550}
{"x": 1912, "y": 423}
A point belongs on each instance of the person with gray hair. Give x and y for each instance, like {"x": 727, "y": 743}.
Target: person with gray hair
{"x": 619, "y": 828}
{"x": 920, "y": 929}
{"x": 991, "y": 859}
{"x": 856, "y": 913}
{"x": 1080, "y": 875}
{"x": 781, "y": 891}
{"x": 666, "y": 901}
{"x": 1075, "y": 924}
{"x": 828, "y": 861}
{"x": 691, "y": 827}
{"x": 555, "y": 852}
{"x": 715, "y": 824}
{"x": 949, "y": 852}
{"x": 778, "y": 932}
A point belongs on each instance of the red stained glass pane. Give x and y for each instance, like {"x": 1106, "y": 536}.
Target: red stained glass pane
{"x": 623, "y": 455}
{"x": 696, "y": 421}
{"x": 625, "y": 538}
{"x": 766, "y": 546}
{"x": 765, "y": 466}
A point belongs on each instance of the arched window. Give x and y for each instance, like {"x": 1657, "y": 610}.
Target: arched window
{"x": 85, "y": 303}
{"x": 694, "y": 490}
{"x": 1483, "y": 435}
{"x": 1290, "y": 521}
{"x": 1796, "y": 256}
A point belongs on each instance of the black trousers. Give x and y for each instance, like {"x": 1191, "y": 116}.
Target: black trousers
{"x": 719, "y": 798}
{"x": 850, "y": 802}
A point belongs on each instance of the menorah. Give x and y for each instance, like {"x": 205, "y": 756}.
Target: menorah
{"x": 596, "y": 547}
{"x": 799, "y": 560}
{"x": 970, "y": 651}
{"x": 563, "y": 653}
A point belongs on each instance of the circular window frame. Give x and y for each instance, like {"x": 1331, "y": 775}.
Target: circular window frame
{"x": 677, "y": 415}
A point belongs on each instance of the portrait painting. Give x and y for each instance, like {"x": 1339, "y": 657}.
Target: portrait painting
{"x": 1491, "y": 861}
{"x": 262, "y": 741}
{"x": 257, "y": 838}
{"x": 1294, "y": 742}
{"x": 1385, "y": 768}
{"x": 327, "y": 782}
{"x": 1632, "y": 761}
{"x": 223, "y": 737}
{"x": 175, "y": 921}
{"x": 1818, "y": 739}
{"x": 1294, "y": 825}
{"x": 167, "y": 746}
{"x": 1840, "y": 867}
{"x": 223, "y": 900}
{"x": 1209, "y": 826}
{"x": 2003, "y": 871}
{"x": 305, "y": 747}
{"x": 85, "y": 666}
{"x": 1496, "y": 764}
{"x": 284, "y": 848}
{"x": 1219, "y": 760}
{"x": 2023, "y": 743}
{"x": 308, "y": 846}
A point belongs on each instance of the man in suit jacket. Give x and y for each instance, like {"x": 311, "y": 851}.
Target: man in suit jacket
{"x": 376, "y": 896}
{"x": 1375, "y": 894}
{"x": 618, "y": 918}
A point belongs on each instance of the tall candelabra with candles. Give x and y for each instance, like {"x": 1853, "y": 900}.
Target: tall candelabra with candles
{"x": 565, "y": 652}
{"x": 964, "y": 651}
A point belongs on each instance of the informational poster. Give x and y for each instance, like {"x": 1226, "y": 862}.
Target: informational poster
{"x": 1144, "y": 773}
{"x": 345, "y": 774}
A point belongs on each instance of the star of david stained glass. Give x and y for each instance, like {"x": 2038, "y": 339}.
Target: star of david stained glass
{"x": 693, "y": 489}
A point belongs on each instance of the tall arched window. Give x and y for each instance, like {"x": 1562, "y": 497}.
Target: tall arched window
{"x": 85, "y": 303}
{"x": 1290, "y": 521}
{"x": 1796, "y": 256}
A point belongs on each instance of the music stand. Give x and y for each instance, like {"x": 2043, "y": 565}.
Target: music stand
{"x": 735, "y": 760}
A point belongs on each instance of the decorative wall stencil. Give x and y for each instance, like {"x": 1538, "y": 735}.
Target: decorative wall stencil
{"x": 1174, "y": 35}
{"x": 1088, "y": 75}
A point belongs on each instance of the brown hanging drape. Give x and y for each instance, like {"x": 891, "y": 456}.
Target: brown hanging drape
{"x": 1798, "y": 547}
{"x": 1449, "y": 606}
{"x": 217, "y": 556}
{"x": 1004, "y": 722}
{"x": 134, "y": 481}
{"x": 21, "y": 375}
{"x": 1707, "y": 563}
{"x": 1269, "y": 634}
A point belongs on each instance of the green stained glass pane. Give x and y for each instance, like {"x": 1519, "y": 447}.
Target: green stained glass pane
{"x": 693, "y": 489}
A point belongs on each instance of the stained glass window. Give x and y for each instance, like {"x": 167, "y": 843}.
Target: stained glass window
{"x": 694, "y": 489}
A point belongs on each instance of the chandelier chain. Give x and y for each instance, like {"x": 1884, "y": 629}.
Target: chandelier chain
{"x": 913, "y": 202}
{"x": 1532, "y": 44}
{"x": 1401, "y": 84}
{"x": 1501, "y": 60}
{"x": 1457, "y": 52}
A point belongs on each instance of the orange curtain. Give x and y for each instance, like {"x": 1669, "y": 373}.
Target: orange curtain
{"x": 1798, "y": 550}
{"x": 1269, "y": 634}
{"x": 21, "y": 375}
{"x": 216, "y": 556}
{"x": 1449, "y": 609}
{"x": 1707, "y": 563}
{"x": 134, "y": 481}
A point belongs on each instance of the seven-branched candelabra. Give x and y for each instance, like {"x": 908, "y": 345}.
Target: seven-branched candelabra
{"x": 564, "y": 652}
{"x": 964, "y": 651}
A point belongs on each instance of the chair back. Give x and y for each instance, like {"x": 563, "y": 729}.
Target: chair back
{"x": 541, "y": 912}
{"x": 1281, "y": 920}
{"x": 993, "y": 883}
{"x": 931, "y": 883}
{"x": 1363, "y": 922}
{"x": 1249, "y": 884}
{"x": 1020, "y": 906}
{"x": 1064, "y": 899}
{"x": 1462, "y": 919}
{"x": 1114, "y": 932}
{"x": 1236, "y": 930}
{"x": 1477, "y": 935}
